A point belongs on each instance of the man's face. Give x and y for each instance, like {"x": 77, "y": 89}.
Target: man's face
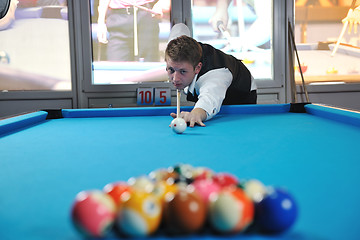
{"x": 181, "y": 74}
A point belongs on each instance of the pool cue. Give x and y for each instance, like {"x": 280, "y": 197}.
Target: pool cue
{"x": 291, "y": 70}
{"x": 99, "y": 51}
{"x": 178, "y": 95}
{"x": 343, "y": 29}
{"x": 226, "y": 34}
{"x": 241, "y": 24}
{"x": 136, "y": 44}
{"x": 292, "y": 38}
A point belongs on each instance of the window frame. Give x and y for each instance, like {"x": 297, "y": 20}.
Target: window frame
{"x": 180, "y": 12}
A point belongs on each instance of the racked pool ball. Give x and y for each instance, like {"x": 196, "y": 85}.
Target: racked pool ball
{"x": 165, "y": 189}
{"x": 231, "y": 211}
{"x": 93, "y": 213}
{"x": 142, "y": 183}
{"x": 184, "y": 213}
{"x": 163, "y": 174}
{"x": 202, "y": 173}
{"x": 255, "y": 189}
{"x": 185, "y": 173}
{"x": 277, "y": 212}
{"x": 178, "y": 125}
{"x": 140, "y": 216}
{"x": 225, "y": 179}
{"x": 118, "y": 191}
{"x": 206, "y": 188}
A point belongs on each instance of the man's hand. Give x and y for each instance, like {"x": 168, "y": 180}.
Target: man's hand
{"x": 102, "y": 33}
{"x": 161, "y": 7}
{"x": 196, "y": 116}
{"x": 220, "y": 15}
{"x": 353, "y": 18}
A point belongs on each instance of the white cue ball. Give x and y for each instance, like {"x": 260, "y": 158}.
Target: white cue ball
{"x": 178, "y": 125}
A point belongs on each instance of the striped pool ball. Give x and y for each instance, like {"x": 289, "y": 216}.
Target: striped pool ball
{"x": 231, "y": 211}
{"x": 93, "y": 213}
{"x": 140, "y": 215}
{"x": 255, "y": 189}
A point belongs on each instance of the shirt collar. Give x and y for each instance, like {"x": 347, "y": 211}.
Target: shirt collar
{"x": 191, "y": 87}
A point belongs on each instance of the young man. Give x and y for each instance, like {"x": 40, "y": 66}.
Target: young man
{"x": 208, "y": 76}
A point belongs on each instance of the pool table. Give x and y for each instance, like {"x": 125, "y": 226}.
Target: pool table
{"x": 319, "y": 64}
{"x": 47, "y": 157}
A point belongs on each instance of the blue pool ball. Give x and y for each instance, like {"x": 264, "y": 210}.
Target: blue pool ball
{"x": 4, "y": 57}
{"x": 276, "y": 213}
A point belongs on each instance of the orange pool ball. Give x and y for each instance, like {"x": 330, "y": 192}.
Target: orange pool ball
{"x": 118, "y": 191}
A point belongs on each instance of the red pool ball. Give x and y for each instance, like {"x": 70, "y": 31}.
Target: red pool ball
{"x": 277, "y": 212}
{"x": 93, "y": 213}
{"x": 226, "y": 180}
{"x": 231, "y": 211}
{"x": 185, "y": 213}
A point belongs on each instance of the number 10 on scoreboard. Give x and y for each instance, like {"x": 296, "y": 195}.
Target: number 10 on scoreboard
{"x": 146, "y": 96}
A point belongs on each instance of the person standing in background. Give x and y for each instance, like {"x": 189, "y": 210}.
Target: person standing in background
{"x": 116, "y": 28}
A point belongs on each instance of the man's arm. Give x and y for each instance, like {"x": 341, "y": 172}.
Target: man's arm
{"x": 221, "y": 14}
{"x": 102, "y": 29}
{"x": 212, "y": 88}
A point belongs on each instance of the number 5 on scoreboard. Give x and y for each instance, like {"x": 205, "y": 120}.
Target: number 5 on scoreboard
{"x": 145, "y": 96}
{"x": 162, "y": 96}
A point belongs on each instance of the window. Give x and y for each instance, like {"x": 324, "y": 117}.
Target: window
{"x": 129, "y": 41}
{"x": 247, "y": 34}
{"x": 34, "y": 47}
{"x": 317, "y": 30}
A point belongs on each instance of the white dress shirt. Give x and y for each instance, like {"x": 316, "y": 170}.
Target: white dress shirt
{"x": 212, "y": 94}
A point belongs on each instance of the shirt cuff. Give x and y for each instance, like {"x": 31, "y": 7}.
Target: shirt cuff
{"x": 210, "y": 112}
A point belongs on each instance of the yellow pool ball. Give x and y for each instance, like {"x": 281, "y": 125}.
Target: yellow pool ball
{"x": 140, "y": 216}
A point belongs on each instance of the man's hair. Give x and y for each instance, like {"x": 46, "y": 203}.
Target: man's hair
{"x": 184, "y": 49}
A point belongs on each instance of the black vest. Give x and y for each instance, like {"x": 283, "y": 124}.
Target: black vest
{"x": 241, "y": 83}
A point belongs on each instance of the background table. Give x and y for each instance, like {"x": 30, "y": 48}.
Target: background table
{"x": 37, "y": 44}
{"x": 318, "y": 61}
{"x": 45, "y": 163}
